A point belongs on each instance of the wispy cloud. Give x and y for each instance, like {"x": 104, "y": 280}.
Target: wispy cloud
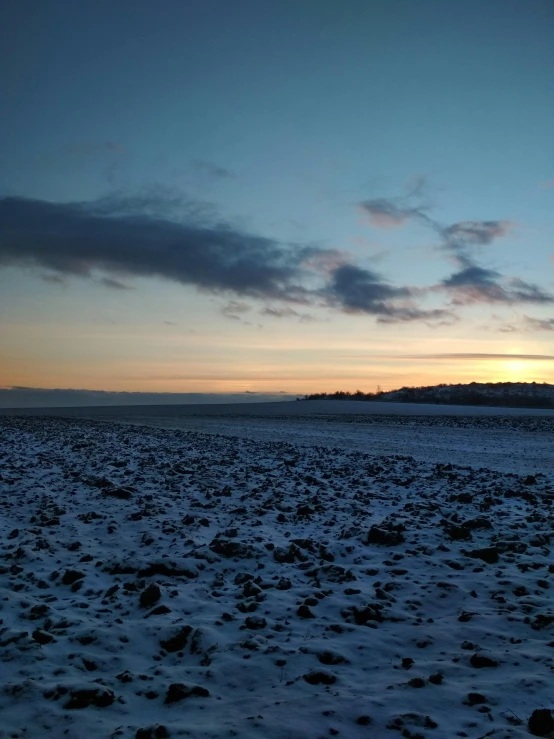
{"x": 475, "y": 232}
{"x": 214, "y": 171}
{"x": 234, "y": 309}
{"x": 479, "y": 355}
{"x": 539, "y": 324}
{"x": 395, "y": 212}
{"x": 457, "y": 356}
{"x": 53, "y": 279}
{"x": 114, "y": 284}
{"x": 109, "y": 154}
{"x": 287, "y": 312}
{"x": 391, "y": 213}
{"x": 89, "y": 148}
{"x": 326, "y": 262}
{"x": 460, "y": 239}
{"x": 471, "y": 283}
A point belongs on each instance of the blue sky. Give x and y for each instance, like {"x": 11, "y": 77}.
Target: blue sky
{"x": 380, "y": 174}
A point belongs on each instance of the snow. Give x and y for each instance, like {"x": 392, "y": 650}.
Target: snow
{"x": 300, "y": 564}
{"x": 489, "y": 441}
{"x": 282, "y": 408}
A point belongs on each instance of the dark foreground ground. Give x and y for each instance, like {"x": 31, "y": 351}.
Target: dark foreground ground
{"x": 162, "y": 582}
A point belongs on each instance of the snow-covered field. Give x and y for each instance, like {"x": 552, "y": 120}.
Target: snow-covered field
{"x": 503, "y": 443}
{"x": 279, "y": 578}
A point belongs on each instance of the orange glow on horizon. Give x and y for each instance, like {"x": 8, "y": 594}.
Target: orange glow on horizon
{"x": 262, "y": 379}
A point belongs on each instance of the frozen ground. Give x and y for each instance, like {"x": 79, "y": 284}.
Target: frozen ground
{"x": 281, "y": 408}
{"x": 504, "y": 439}
{"x": 506, "y": 443}
{"x": 317, "y": 581}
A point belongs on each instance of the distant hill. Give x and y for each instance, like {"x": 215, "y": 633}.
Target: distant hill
{"x": 507, "y": 394}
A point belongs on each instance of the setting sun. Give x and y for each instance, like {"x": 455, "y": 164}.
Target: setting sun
{"x": 517, "y": 369}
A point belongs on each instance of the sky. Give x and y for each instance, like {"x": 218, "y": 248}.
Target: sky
{"x": 287, "y": 197}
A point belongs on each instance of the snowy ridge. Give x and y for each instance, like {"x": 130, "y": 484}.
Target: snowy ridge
{"x": 526, "y": 394}
{"x": 158, "y": 583}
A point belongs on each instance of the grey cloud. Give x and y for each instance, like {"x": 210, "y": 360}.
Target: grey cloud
{"x": 142, "y": 237}
{"x": 361, "y": 290}
{"x": 472, "y": 275}
{"x": 358, "y": 290}
{"x": 475, "y": 284}
{"x": 526, "y": 292}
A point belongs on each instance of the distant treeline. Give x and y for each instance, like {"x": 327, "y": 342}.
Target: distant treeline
{"x": 505, "y": 394}
{"x": 342, "y": 395}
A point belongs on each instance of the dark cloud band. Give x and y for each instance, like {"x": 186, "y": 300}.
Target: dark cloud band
{"x": 162, "y": 236}
{"x": 133, "y": 238}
